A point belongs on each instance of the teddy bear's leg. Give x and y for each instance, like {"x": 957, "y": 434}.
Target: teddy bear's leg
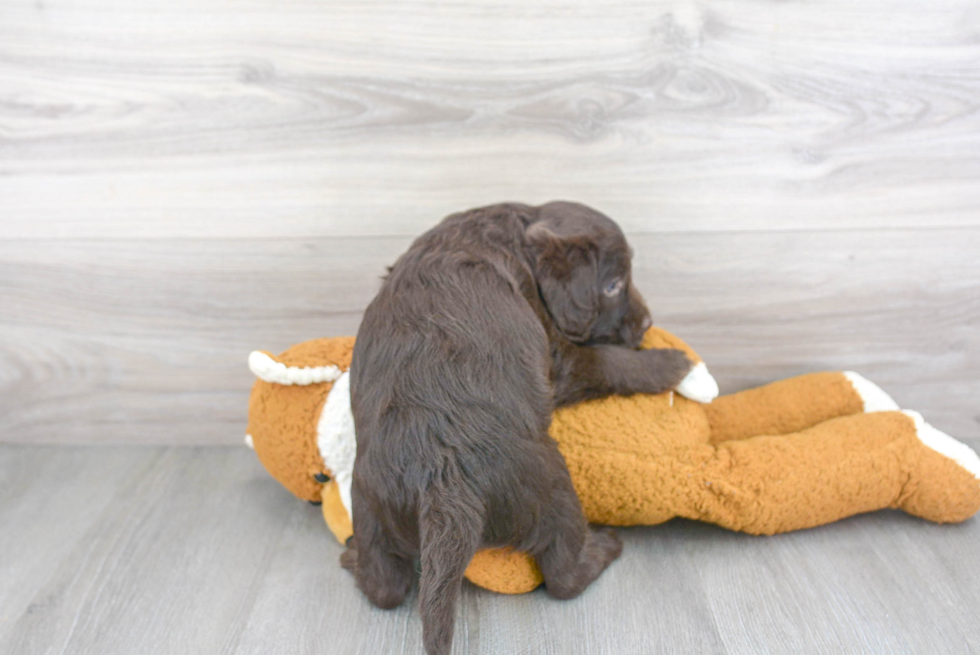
{"x": 841, "y": 467}
{"x": 794, "y": 404}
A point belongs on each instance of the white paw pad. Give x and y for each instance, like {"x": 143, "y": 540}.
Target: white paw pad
{"x": 944, "y": 444}
{"x": 874, "y": 397}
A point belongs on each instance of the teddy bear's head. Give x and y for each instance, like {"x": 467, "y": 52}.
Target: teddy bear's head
{"x": 299, "y": 423}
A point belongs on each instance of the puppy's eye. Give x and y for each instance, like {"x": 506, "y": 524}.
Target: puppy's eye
{"x": 614, "y": 287}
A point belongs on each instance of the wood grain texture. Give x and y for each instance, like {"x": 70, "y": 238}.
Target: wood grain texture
{"x": 308, "y": 119}
{"x": 146, "y": 341}
{"x": 121, "y": 550}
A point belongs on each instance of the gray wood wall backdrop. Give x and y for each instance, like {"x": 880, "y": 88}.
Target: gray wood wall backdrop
{"x": 184, "y": 181}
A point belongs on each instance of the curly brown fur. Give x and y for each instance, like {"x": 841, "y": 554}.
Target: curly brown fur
{"x": 487, "y": 323}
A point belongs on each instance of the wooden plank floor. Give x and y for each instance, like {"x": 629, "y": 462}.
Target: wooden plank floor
{"x": 136, "y": 549}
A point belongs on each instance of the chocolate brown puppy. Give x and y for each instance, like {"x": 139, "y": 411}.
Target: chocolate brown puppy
{"x": 488, "y": 322}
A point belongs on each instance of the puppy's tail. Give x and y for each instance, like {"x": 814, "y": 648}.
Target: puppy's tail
{"x": 450, "y": 529}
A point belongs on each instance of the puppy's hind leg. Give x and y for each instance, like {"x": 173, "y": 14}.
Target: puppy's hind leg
{"x": 450, "y": 528}
{"x": 576, "y": 554}
{"x": 383, "y": 576}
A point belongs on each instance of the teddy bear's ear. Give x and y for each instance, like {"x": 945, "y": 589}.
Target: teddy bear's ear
{"x": 268, "y": 368}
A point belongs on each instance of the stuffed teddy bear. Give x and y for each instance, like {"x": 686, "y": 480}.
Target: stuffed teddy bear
{"x": 792, "y": 454}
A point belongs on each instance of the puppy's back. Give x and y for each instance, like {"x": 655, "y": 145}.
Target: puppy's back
{"x": 448, "y": 376}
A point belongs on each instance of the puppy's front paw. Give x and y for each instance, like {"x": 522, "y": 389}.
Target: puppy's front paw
{"x": 667, "y": 367}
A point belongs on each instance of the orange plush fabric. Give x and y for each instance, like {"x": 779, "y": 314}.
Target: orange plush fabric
{"x": 789, "y": 455}
{"x": 282, "y": 419}
{"x": 505, "y": 571}
{"x": 782, "y": 407}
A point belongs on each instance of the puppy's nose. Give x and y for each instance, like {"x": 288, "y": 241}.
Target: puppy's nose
{"x": 645, "y": 325}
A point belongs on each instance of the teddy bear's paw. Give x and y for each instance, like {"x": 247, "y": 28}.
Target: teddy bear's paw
{"x": 699, "y": 385}
{"x": 874, "y": 397}
{"x": 942, "y": 476}
{"x": 944, "y": 444}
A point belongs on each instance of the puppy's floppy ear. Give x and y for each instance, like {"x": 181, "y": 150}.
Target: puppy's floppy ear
{"x": 566, "y": 272}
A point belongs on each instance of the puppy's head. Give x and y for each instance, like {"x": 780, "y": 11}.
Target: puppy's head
{"x": 582, "y": 265}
